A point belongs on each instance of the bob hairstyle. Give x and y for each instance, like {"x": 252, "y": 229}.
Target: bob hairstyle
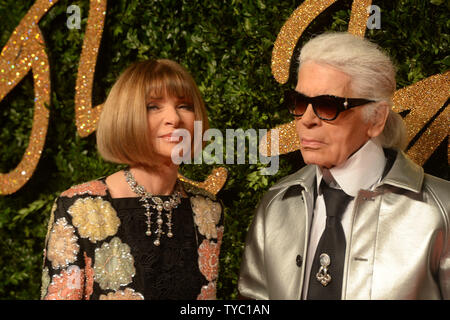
{"x": 372, "y": 76}
{"x": 122, "y": 132}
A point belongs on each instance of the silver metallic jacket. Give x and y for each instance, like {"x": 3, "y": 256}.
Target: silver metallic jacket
{"x": 398, "y": 248}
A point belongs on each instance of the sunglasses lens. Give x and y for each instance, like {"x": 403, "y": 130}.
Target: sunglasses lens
{"x": 326, "y": 108}
{"x": 300, "y": 106}
{"x": 295, "y": 103}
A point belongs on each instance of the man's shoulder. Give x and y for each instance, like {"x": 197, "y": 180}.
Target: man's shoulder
{"x": 439, "y": 189}
{"x": 436, "y": 182}
{"x": 302, "y": 179}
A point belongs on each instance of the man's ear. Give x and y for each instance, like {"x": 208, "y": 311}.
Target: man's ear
{"x": 378, "y": 120}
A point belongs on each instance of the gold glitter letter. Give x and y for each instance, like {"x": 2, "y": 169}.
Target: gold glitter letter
{"x": 25, "y": 50}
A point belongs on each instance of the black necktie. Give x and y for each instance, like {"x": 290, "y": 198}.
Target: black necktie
{"x": 325, "y": 281}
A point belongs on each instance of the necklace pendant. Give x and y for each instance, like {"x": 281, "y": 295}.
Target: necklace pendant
{"x": 158, "y": 204}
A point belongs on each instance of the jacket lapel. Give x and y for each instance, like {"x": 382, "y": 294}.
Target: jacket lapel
{"x": 289, "y": 234}
{"x": 362, "y": 245}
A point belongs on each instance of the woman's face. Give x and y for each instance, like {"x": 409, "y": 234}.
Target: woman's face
{"x": 165, "y": 115}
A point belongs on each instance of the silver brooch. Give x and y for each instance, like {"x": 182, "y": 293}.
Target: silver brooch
{"x": 323, "y": 276}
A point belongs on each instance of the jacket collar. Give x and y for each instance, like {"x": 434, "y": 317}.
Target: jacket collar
{"x": 404, "y": 174}
{"x": 304, "y": 177}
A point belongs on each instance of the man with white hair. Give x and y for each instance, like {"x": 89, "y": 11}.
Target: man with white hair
{"x": 361, "y": 220}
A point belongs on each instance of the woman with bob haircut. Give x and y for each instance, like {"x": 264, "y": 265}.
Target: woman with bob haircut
{"x": 139, "y": 233}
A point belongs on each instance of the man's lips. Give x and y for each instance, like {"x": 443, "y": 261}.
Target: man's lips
{"x": 311, "y": 143}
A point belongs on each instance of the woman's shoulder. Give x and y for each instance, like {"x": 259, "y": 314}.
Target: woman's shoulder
{"x": 95, "y": 187}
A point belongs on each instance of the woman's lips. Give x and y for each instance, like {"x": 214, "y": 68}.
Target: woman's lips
{"x": 311, "y": 143}
{"x": 170, "y": 137}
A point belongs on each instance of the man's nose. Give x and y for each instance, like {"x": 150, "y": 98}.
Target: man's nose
{"x": 309, "y": 118}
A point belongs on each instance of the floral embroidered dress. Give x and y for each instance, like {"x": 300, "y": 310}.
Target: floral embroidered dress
{"x": 96, "y": 248}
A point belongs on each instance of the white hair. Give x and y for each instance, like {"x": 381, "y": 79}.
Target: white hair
{"x": 372, "y": 76}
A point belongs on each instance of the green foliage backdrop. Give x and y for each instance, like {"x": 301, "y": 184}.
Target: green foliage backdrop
{"x": 227, "y": 46}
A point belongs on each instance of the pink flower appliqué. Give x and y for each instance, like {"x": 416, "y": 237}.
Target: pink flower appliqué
{"x": 208, "y": 256}
{"x": 62, "y": 244}
{"x": 89, "y": 274}
{"x": 208, "y": 292}
{"x": 66, "y": 286}
{"x": 94, "y": 188}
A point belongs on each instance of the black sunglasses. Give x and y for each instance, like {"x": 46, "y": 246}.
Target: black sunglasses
{"x": 326, "y": 107}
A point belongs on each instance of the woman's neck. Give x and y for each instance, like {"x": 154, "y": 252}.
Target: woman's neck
{"x": 159, "y": 180}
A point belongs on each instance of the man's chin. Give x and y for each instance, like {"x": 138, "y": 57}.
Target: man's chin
{"x": 310, "y": 157}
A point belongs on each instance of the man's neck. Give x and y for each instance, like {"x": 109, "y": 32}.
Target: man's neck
{"x": 361, "y": 170}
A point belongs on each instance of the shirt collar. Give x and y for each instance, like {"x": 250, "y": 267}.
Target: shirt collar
{"x": 361, "y": 171}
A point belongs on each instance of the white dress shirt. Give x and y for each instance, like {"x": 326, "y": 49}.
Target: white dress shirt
{"x": 363, "y": 170}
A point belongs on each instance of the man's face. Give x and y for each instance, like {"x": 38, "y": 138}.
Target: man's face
{"x": 328, "y": 143}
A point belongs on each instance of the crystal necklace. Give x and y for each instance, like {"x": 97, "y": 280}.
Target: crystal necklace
{"x": 156, "y": 203}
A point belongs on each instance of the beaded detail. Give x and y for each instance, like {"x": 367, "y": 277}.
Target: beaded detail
{"x": 114, "y": 265}
{"x": 158, "y": 204}
{"x": 122, "y": 263}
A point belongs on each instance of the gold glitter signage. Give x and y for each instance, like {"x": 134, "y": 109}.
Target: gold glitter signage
{"x": 25, "y": 51}
{"x": 213, "y": 183}
{"x": 424, "y": 99}
{"x": 86, "y": 117}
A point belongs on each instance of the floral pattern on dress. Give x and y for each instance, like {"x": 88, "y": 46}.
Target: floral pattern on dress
{"x": 45, "y": 282}
{"x": 51, "y": 221}
{"x": 114, "y": 265}
{"x": 49, "y": 229}
{"x": 208, "y": 263}
{"x": 93, "y": 188}
{"x": 62, "y": 244}
{"x": 94, "y": 218}
{"x": 68, "y": 285}
{"x": 89, "y": 277}
{"x": 208, "y": 292}
{"x": 127, "y": 294}
{"x": 207, "y": 215}
{"x": 108, "y": 270}
{"x": 208, "y": 256}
